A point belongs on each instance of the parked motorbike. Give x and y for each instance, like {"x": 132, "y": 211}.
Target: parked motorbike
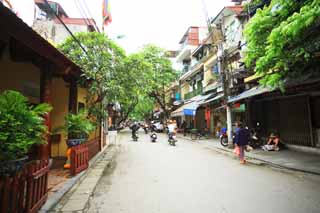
{"x": 255, "y": 140}
{"x": 224, "y": 139}
{"x": 172, "y": 139}
{"x": 153, "y": 137}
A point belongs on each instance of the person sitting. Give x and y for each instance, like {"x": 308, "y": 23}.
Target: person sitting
{"x": 273, "y": 143}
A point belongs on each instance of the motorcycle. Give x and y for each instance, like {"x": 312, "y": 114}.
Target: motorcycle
{"x": 153, "y": 137}
{"x": 135, "y": 136}
{"x": 224, "y": 139}
{"x": 255, "y": 140}
{"x": 145, "y": 128}
{"x": 172, "y": 139}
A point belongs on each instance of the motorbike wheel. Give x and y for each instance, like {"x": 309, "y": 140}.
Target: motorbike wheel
{"x": 224, "y": 141}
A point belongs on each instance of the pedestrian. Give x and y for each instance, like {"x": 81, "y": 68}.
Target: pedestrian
{"x": 241, "y": 140}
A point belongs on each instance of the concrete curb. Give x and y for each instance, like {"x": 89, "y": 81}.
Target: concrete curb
{"x": 253, "y": 159}
{"x": 76, "y": 200}
{"x": 260, "y": 162}
{"x": 55, "y": 198}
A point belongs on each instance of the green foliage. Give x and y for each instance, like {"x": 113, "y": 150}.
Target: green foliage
{"x": 21, "y": 126}
{"x": 103, "y": 66}
{"x": 78, "y": 126}
{"x": 144, "y": 108}
{"x": 148, "y": 71}
{"x": 160, "y": 74}
{"x": 277, "y": 39}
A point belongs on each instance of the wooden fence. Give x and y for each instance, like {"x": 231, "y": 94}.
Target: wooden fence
{"x": 93, "y": 147}
{"x": 79, "y": 158}
{"x": 27, "y": 191}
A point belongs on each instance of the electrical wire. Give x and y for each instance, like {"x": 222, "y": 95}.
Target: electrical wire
{"x": 80, "y": 9}
{"x": 66, "y": 27}
{"x": 90, "y": 14}
{"x": 88, "y": 18}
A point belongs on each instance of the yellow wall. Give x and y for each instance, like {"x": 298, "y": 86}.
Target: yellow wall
{"x": 82, "y": 94}
{"x": 60, "y": 103}
{"x": 184, "y": 90}
{"x": 208, "y": 75}
{"x": 22, "y": 77}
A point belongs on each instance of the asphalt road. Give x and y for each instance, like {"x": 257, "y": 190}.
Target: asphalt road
{"x": 155, "y": 177}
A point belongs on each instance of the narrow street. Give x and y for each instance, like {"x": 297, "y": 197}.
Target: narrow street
{"x": 155, "y": 177}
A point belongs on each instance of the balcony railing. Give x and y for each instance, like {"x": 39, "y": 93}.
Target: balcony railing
{"x": 193, "y": 93}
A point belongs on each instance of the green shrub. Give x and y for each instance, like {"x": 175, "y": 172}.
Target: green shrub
{"x": 78, "y": 126}
{"x": 21, "y": 125}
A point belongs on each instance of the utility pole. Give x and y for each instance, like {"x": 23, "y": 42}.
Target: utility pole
{"x": 224, "y": 74}
{"x": 225, "y": 83}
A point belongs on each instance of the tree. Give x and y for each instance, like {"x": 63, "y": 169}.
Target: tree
{"x": 160, "y": 74}
{"x": 102, "y": 63}
{"x": 133, "y": 85}
{"x": 283, "y": 40}
{"x": 144, "y": 108}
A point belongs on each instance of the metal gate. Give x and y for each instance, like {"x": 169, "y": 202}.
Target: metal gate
{"x": 290, "y": 116}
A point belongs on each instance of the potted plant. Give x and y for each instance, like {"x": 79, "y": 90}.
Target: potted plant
{"x": 21, "y": 126}
{"x": 78, "y": 128}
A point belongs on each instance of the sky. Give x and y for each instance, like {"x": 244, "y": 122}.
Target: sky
{"x": 161, "y": 22}
{"x": 139, "y": 22}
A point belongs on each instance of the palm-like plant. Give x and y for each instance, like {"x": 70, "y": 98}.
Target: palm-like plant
{"x": 78, "y": 126}
{"x": 21, "y": 125}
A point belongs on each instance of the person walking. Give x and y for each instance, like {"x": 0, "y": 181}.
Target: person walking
{"x": 241, "y": 140}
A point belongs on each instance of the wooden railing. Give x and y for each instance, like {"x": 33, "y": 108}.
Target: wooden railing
{"x": 93, "y": 147}
{"x": 79, "y": 158}
{"x": 27, "y": 190}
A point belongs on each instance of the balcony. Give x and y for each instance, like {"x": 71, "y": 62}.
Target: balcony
{"x": 193, "y": 93}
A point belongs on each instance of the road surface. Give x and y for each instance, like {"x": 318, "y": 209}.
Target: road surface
{"x": 155, "y": 177}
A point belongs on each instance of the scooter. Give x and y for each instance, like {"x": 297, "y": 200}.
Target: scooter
{"x": 153, "y": 137}
{"x": 172, "y": 139}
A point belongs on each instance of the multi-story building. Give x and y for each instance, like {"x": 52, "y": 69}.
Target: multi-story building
{"x": 206, "y": 82}
{"x": 49, "y": 26}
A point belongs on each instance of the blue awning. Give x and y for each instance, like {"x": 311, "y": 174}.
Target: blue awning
{"x": 250, "y": 93}
{"x": 191, "y": 106}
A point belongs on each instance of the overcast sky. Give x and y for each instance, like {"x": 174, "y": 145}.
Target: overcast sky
{"x": 162, "y": 22}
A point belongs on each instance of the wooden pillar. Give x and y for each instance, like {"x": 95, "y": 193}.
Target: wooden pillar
{"x": 73, "y": 96}
{"x": 44, "y": 150}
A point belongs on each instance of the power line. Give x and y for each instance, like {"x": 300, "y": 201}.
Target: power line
{"x": 85, "y": 15}
{"x": 81, "y": 12}
{"x": 90, "y": 15}
{"x": 66, "y": 27}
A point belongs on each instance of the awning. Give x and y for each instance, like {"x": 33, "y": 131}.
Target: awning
{"x": 191, "y": 106}
{"x": 213, "y": 99}
{"x": 249, "y": 93}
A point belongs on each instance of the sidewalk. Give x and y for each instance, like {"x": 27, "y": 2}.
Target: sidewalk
{"x": 289, "y": 159}
{"x": 77, "y": 198}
